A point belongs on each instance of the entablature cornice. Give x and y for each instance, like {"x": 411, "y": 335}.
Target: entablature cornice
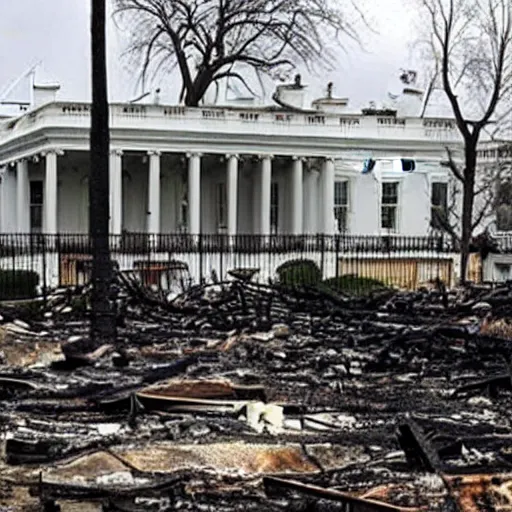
{"x": 161, "y": 142}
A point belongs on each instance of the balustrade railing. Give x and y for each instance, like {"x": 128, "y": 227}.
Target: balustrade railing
{"x": 216, "y": 118}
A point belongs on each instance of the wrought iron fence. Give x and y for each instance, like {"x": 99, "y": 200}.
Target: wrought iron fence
{"x": 170, "y": 261}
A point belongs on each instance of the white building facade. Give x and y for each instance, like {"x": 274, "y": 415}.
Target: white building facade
{"x": 236, "y": 169}
{"x": 229, "y": 170}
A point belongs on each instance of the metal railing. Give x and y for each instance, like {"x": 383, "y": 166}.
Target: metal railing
{"x": 171, "y": 261}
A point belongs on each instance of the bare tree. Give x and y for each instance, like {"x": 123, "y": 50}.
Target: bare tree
{"x": 103, "y": 322}
{"x": 471, "y": 44}
{"x": 492, "y": 196}
{"x": 211, "y": 40}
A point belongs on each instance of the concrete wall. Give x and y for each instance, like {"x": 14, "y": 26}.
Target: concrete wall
{"x": 414, "y": 199}
{"x": 365, "y": 205}
{"x": 415, "y": 204}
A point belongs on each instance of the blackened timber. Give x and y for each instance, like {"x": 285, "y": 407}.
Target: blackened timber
{"x": 168, "y": 371}
{"x": 491, "y": 384}
{"x": 418, "y": 450}
{"x": 52, "y": 490}
{"x": 21, "y": 451}
{"x": 330, "y": 494}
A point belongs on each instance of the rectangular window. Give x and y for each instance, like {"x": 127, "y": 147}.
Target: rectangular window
{"x": 439, "y": 205}
{"x": 341, "y": 203}
{"x": 389, "y": 210}
{"x": 221, "y": 206}
{"x": 274, "y": 208}
{"x": 36, "y": 206}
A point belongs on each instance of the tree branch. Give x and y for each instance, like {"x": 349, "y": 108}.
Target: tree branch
{"x": 453, "y": 166}
{"x": 207, "y": 37}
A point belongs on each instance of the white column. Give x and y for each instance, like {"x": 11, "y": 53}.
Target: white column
{"x": 8, "y": 199}
{"x": 297, "y": 196}
{"x": 311, "y": 209}
{"x": 50, "y": 193}
{"x": 328, "y": 197}
{"x": 232, "y": 193}
{"x": 154, "y": 193}
{"x": 194, "y": 193}
{"x": 265, "y": 190}
{"x": 116, "y": 191}
{"x": 22, "y": 197}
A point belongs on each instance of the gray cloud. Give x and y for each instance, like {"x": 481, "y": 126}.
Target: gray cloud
{"x": 57, "y": 33}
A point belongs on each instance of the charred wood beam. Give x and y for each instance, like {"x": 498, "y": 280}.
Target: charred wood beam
{"x": 419, "y": 452}
{"x": 168, "y": 371}
{"x": 492, "y": 384}
{"x": 369, "y": 505}
{"x": 19, "y": 451}
{"x": 45, "y": 449}
{"x": 56, "y": 491}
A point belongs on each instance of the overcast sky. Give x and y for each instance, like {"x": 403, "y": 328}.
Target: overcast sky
{"x": 56, "y": 32}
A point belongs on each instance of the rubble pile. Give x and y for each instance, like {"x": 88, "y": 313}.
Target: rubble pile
{"x": 239, "y": 396}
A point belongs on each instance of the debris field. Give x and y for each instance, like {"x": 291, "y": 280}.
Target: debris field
{"x": 241, "y": 396}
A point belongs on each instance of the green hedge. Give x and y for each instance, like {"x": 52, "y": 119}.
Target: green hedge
{"x": 299, "y": 273}
{"x": 303, "y": 272}
{"x": 18, "y": 284}
{"x": 353, "y": 285}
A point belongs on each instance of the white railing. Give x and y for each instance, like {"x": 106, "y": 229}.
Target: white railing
{"x": 237, "y": 121}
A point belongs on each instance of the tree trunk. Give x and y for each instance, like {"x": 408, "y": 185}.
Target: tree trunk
{"x": 103, "y": 322}
{"x": 468, "y": 199}
{"x": 198, "y": 89}
{"x": 191, "y": 100}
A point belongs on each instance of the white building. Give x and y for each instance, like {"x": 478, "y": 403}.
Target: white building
{"x": 236, "y": 169}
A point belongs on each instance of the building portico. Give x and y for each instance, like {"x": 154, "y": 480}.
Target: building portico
{"x": 218, "y": 170}
{"x": 157, "y": 192}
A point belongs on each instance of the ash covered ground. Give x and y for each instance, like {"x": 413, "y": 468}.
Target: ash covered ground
{"x": 239, "y": 396}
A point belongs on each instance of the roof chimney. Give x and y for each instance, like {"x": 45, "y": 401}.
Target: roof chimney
{"x": 291, "y": 95}
{"x": 330, "y": 103}
{"x": 43, "y": 94}
{"x": 410, "y": 102}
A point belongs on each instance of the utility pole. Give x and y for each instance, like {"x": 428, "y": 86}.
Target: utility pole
{"x": 103, "y": 321}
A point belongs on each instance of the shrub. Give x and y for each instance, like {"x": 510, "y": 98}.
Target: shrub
{"x": 18, "y": 284}
{"x": 353, "y": 285}
{"x": 299, "y": 273}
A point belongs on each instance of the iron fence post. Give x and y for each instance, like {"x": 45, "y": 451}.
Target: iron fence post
{"x": 337, "y": 257}
{"x": 221, "y": 276}
{"x": 13, "y": 280}
{"x": 59, "y": 257}
{"x": 322, "y": 252}
{"x": 267, "y": 244}
{"x": 45, "y": 283}
{"x": 200, "y": 247}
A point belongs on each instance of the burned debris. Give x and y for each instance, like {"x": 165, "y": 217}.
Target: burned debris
{"x": 242, "y": 396}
